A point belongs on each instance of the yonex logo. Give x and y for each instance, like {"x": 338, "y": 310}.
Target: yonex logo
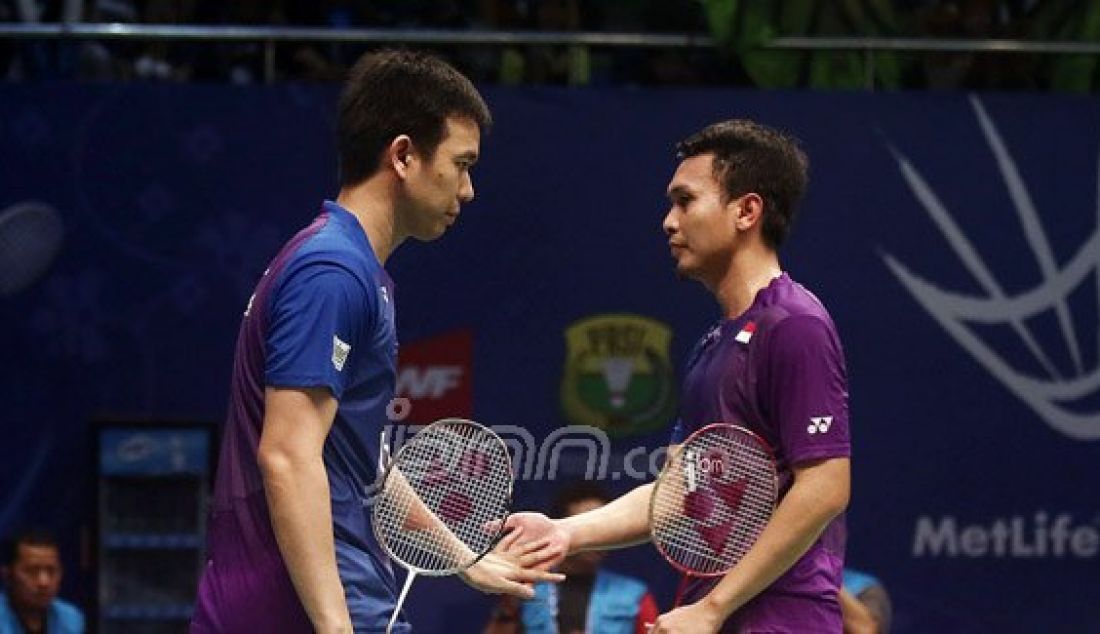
{"x": 1053, "y": 391}
{"x": 820, "y": 424}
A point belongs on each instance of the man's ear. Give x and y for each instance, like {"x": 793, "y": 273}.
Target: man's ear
{"x": 399, "y": 155}
{"x": 748, "y": 211}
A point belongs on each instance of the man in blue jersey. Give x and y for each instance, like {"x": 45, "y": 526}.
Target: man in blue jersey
{"x": 290, "y": 540}
{"x": 772, "y": 363}
{"x": 865, "y": 604}
{"x": 30, "y": 565}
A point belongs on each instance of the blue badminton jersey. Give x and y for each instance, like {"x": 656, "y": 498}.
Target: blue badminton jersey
{"x": 322, "y": 316}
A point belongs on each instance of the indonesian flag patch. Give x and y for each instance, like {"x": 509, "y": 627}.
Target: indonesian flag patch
{"x": 746, "y": 332}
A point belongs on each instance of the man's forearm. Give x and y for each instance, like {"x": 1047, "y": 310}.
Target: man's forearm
{"x": 301, "y": 514}
{"x": 857, "y": 618}
{"x": 418, "y": 517}
{"x": 805, "y": 511}
{"x": 623, "y": 522}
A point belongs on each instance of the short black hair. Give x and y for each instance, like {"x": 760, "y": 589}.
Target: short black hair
{"x": 575, "y": 492}
{"x": 9, "y": 548}
{"x": 393, "y": 92}
{"x": 753, "y": 158}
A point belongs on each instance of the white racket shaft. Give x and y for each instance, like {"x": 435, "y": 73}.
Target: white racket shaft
{"x": 401, "y": 599}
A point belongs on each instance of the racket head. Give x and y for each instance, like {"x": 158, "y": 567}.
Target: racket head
{"x": 462, "y": 472}
{"x": 713, "y": 498}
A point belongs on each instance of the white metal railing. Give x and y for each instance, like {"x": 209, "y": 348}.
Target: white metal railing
{"x": 191, "y": 32}
{"x": 271, "y": 35}
{"x": 230, "y": 33}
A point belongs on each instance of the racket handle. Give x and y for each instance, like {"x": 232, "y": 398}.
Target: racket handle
{"x": 401, "y": 600}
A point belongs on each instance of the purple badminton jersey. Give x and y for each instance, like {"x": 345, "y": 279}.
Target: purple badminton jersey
{"x": 778, "y": 370}
{"x": 322, "y": 316}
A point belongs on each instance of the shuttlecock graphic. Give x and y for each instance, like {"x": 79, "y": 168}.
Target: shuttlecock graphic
{"x": 618, "y": 371}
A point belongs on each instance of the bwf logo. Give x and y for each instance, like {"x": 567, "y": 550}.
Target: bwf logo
{"x": 435, "y": 377}
{"x": 820, "y": 424}
{"x": 429, "y": 382}
{"x": 1052, "y": 390}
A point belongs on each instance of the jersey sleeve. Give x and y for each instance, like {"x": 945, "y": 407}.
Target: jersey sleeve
{"x": 317, "y": 316}
{"x": 807, "y": 391}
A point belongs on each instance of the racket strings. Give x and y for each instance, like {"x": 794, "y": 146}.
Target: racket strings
{"x": 713, "y": 501}
{"x": 450, "y": 484}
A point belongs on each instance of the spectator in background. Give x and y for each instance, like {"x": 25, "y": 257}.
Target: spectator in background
{"x": 236, "y": 62}
{"x": 30, "y": 564}
{"x": 590, "y": 599}
{"x": 744, "y": 31}
{"x": 677, "y": 66}
{"x": 42, "y": 59}
{"x": 160, "y": 60}
{"x": 559, "y": 64}
{"x": 107, "y": 60}
{"x": 509, "y": 64}
{"x": 865, "y": 604}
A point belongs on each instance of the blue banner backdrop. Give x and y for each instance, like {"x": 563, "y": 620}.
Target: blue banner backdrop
{"x": 954, "y": 238}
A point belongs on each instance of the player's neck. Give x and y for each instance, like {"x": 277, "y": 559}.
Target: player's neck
{"x": 749, "y": 272}
{"x": 371, "y": 202}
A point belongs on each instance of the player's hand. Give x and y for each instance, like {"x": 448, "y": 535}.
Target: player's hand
{"x": 697, "y": 618}
{"x": 339, "y": 623}
{"x": 542, "y": 543}
{"x": 494, "y": 574}
{"x": 525, "y": 553}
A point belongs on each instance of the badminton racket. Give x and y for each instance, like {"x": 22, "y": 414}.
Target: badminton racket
{"x": 712, "y": 500}
{"x": 439, "y": 494}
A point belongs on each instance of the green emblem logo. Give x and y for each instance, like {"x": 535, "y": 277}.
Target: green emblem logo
{"x": 618, "y": 376}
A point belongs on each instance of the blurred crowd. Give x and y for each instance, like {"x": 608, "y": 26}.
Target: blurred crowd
{"x": 742, "y": 29}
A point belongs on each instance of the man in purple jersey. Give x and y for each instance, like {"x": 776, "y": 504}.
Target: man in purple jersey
{"x": 290, "y": 541}
{"x": 772, "y": 363}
